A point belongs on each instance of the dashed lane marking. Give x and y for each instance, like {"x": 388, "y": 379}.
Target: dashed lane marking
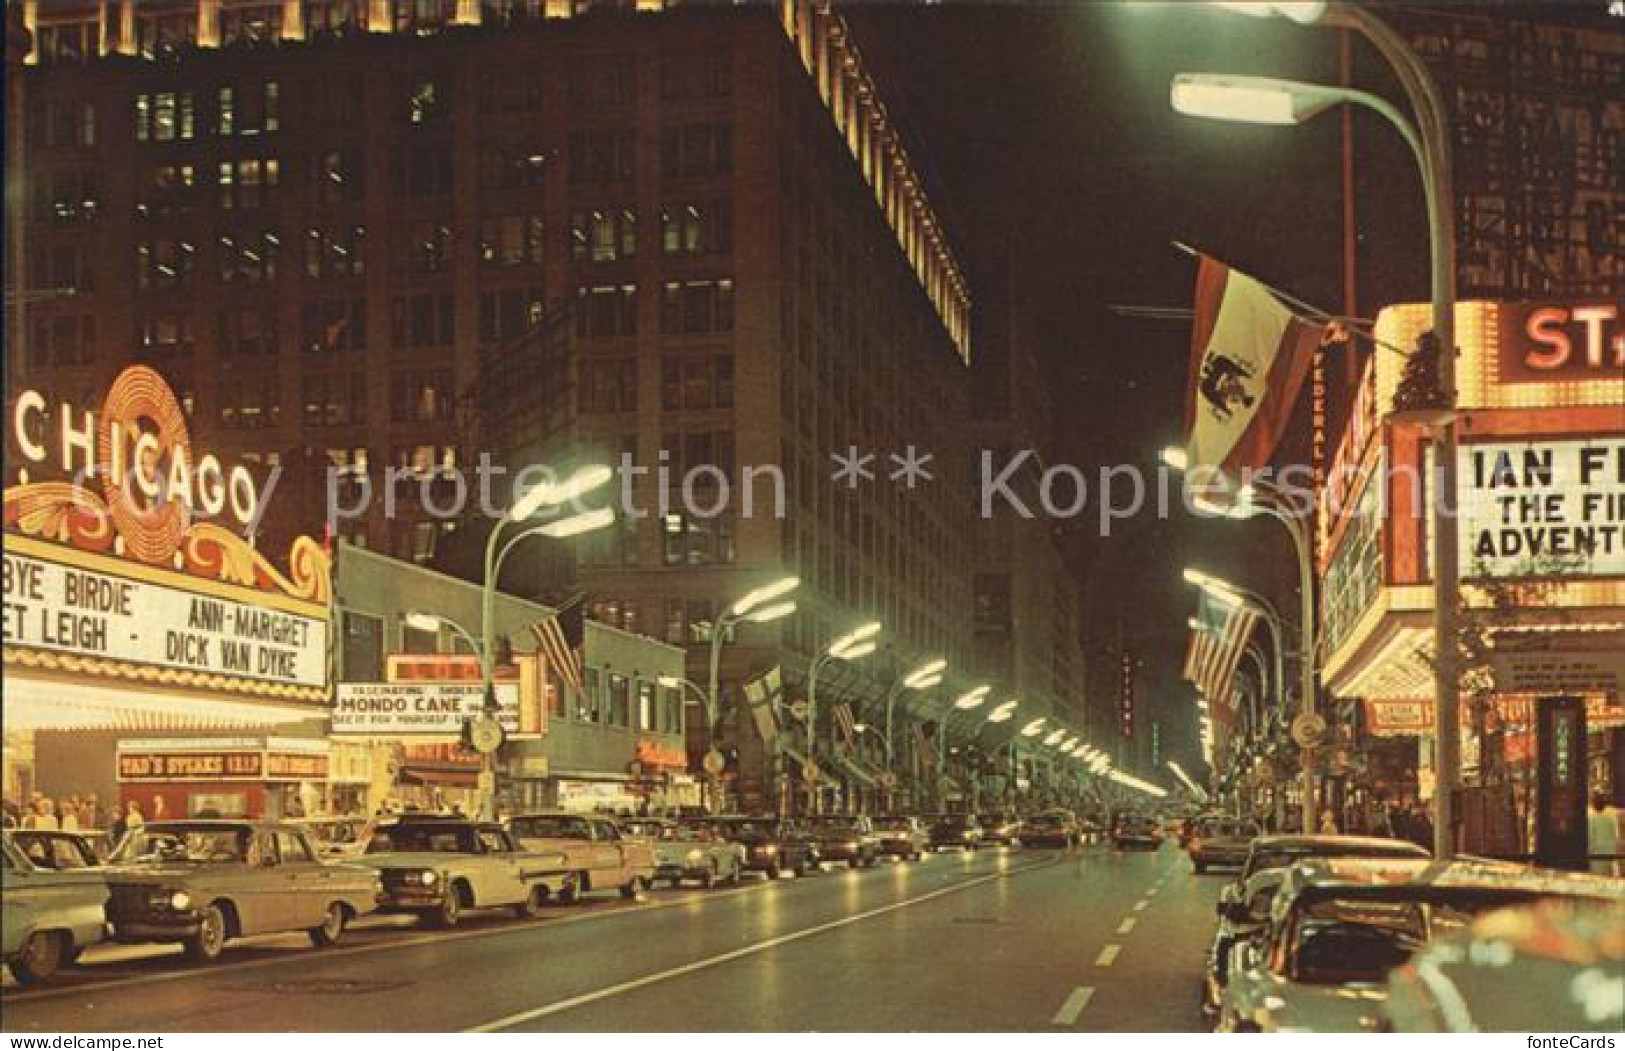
{"x": 1140, "y": 905}
{"x": 1126, "y": 926}
{"x": 1108, "y": 956}
{"x": 1069, "y": 1012}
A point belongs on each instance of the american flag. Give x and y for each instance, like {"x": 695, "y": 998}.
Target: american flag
{"x": 1216, "y": 648}
{"x": 561, "y": 639}
{"x": 846, "y": 725}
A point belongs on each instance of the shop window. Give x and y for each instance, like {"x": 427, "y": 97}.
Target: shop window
{"x": 620, "y": 700}
{"x": 363, "y": 652}
{"x": 646, "y": 705}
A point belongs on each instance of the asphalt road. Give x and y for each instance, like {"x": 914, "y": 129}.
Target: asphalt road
{"x": 1000, "y": 940}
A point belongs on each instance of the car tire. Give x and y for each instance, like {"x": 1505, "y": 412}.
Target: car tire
{"x": 450, "y": 912}
{"x": 39, "y": 958}
{"x": 331, "y": 928}
{"x": 631, "y": 887}
{"x": 709, "y": 879}
{"x": 531, "y": 907}
{"x": 570, "y": 893}
{"x": 207, "y": 944}
{"x": 772, "y": 871}
{"x": 1199, "y": 866}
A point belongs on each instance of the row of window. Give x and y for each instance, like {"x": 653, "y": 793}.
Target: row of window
{"x": 686, "y": 308}
{"x": 339, "y": 399}
{"x": 236, "y": 110}
{"x": 689, "y": 381}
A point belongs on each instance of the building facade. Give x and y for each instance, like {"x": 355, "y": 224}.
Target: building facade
{"x": 376, "y": 240}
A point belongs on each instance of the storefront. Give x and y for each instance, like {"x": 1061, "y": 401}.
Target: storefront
{"x": 1540, "y": 519}
{"x": 615, "y": 743}
{"x": 259, "y": 777}
{"x": 133, "y": 605}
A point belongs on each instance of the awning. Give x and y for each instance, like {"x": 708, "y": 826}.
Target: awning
{"x": 38, "y": 702}
{"x": 422, "y": 775}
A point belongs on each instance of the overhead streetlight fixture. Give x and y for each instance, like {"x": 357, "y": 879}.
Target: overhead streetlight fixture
{"x": 926, "y": 675}
{"x": 973, "y": 698}
{"x": 575, "y": 525}
{"x": 1304, "y": 12}
{"x": 766, "y": 593}
{"x": 422, "y": 621}
{"x": 777, "y": 611}
{"x": 1054, "y": 738}
{"x": 841, "y": 647}
{"x": 1176, "y": 458}
{"x": 852, "y": 653}
{"x": 1034, "y": 728}
{"x": 551, "y": 494}
{"x": 1250, "y": 100}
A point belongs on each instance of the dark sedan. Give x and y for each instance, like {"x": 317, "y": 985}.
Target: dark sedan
{"x": 1221, "y": 842}
{"x": 962, "y": 831}
{"x": 1056, "y": 828}
{"x": 1136, "y": 832}
{"x": 771, "y": 846}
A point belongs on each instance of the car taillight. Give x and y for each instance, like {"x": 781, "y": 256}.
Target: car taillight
{"x": 1196, "y": 844}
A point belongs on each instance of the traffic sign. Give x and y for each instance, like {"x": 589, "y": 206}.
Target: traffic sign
{"x": 713, "y": 762}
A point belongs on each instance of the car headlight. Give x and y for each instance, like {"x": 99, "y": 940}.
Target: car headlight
{"x": 695, "y": 855}
{"x": 767, "y": 848}
{"x": 851, "y": 845}
{"x": 180, "y": 901}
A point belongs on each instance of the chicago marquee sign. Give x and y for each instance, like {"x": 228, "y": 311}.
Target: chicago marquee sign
{"x": 127, "y": 555}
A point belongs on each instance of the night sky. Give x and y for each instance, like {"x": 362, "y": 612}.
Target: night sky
{"x": 1052, "y": 122}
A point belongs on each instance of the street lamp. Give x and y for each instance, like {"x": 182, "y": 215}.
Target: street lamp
{"x": 546, "y": 495}
{"x": 855, "y": 644}
{"x": 1003, "y": 713}
{"x": 973, "y": 698}
{"x": 1297, "y": 526}
{"x": 923, "y": 677}
{"x": 1034, "y": 728}
{"x": 1429, "y": 139}
{"x": 755, "y": 607}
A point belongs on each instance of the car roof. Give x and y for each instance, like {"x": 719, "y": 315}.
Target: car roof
{"x": 219, "y": 822}
{"x": 1403, "y": 879}
{"x": 1349, "y": 844}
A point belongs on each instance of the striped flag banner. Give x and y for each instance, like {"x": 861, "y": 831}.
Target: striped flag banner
{"x": 846, "y": 725}
{"x": 1249, "y": 358}
{"x": 561, "y": 639}
{"x": 1215, "y": 650}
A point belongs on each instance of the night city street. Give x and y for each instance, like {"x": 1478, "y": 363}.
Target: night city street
{"x": 729, "y": 519}
{"x": 894, "y": 949}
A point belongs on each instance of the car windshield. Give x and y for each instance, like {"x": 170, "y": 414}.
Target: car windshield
{"x": 424, "y": 839}
{"x": 1241, "y": 829}
{"x": 551, "y": 826}
{"x": 1281, "y": 857}
{"x": 190, "y": 844}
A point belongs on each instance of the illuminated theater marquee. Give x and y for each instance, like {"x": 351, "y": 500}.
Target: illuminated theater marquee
{"x": 1543, "y": 508}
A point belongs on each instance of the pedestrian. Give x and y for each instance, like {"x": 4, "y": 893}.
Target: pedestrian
{"x": 1421, "y": 827}
{"x": 1328, "y": 823}
{"x": 69, "y": 821}
{"x": 89, "y": 813}
{"x": 133, "y": 818}
{"x": 1602, "y": 836}
{"x": 43, "y": 817}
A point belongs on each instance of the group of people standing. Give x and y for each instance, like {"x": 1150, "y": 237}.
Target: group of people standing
{"x": 77, "y": 814}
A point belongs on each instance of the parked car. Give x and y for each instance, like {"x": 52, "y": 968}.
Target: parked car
{"x": 1551, "y": 967}
{"x": 1222, "y": 841}
{"x": 961, "y": 831}
{"x": 1137, "y": 832}
{"x": 337, "y": 837}
{"x": 901, "y": 836}
{"x": 1002, "y": 827}
{"x": 437, "y": 868}
{"x": 58, "y": 851}
{"x": 697, "y": 852}
{"x": 1053, "y": 828}
{"x": 47, "y": 916}
{"x": 772, "y": 846}
{"x": 653, "y": 829}
{"x": 1338, "y": 926}
{"x": 203, "y": 882}
{"x": 1244, "y": 905}
{"x": 596, "y": 853}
